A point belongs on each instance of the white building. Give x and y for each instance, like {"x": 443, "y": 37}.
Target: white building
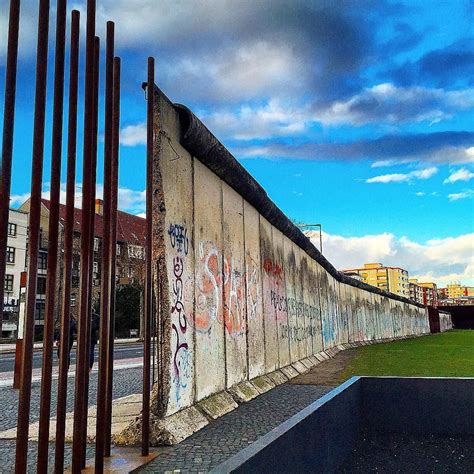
{"x": 15, "y": 265}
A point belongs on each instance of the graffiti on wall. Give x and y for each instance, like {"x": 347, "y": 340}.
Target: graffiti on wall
{"x": 181, "y": 353}
{"x": 234, "y": 311}
{"x": 215, "y": 274}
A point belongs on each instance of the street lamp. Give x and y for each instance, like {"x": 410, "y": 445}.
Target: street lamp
{"x": 302, "y": 226}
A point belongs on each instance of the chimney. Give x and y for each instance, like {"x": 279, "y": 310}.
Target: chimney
{"x": 99, "y": 207}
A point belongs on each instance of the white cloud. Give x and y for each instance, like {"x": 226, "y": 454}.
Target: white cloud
{"x": 462, "y": 174}
{"x": 391, "y": 104}
{"x": 404, "y": 177}
{"x": 270, "y": 120}
{"x": 420, "y": 193}
{"x": 438, "y": 260}
{"x": 133, "y": 135}
{"x": 462, "y": 195}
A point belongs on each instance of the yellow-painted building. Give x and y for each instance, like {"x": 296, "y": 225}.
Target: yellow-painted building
{"x": 456, "y": 290}
{"x": 391, "y": 279}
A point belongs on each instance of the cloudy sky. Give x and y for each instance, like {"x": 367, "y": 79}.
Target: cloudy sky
{"x": 355, "y": 114}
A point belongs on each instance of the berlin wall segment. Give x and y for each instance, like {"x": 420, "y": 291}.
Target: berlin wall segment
{"x": 240, "y": 292}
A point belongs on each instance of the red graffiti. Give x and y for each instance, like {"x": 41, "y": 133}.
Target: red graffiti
{"x": 273, "y": 269}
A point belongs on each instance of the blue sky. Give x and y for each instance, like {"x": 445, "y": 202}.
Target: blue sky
{"x": 355, "y": 114}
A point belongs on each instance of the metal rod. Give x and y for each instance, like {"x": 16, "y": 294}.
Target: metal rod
{"x": 149, "y": 276}
{"x": 48, "y": 334}
{"x": 33, "y": 238}
{"x": 106, "y": 254}
{"x": 113, "y": 249}
{"x": 82, "y": 349}
{"x": 91, "y": 241}
{"x": 7, "y": 143}
{"x": 68, "y": 246}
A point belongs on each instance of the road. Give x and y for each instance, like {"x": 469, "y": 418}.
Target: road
{"x": 122, "y": 351}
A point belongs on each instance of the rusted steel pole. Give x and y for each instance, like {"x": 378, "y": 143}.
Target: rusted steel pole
{"x": 106, "y": 250}
{"x": 7, "y": 142}
{"x": 149, "y": 276}
{"x": 49, "y": 320}
{"x": 113, "y": 250}
{"x": 82, "y": 349}
{"x": 33, "y": 238}
{"x": 68, "y": 246}
{"x": 91, "y": 236}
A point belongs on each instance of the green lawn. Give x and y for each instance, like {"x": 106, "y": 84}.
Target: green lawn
{"x": 450, "y": 354}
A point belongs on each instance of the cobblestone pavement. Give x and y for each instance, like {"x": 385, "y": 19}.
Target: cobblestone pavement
{"x": 126, "y": 382}
{"x": 226, "y": 436}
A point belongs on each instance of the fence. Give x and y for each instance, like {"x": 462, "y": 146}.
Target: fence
{"x": 91, "y": 119}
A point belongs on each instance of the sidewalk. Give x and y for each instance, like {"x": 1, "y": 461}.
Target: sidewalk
{"x": 10, "y": 347}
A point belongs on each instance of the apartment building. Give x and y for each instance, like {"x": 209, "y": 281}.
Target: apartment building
{"x": 15, "y": 267}
{"x": 423, "y": 292}
{"x": 393, "y": 279}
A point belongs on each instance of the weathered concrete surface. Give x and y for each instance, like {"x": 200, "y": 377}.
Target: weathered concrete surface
{"x": 278, "y": 377}
{"x": 253, "y": 288}
{"x": 164, "y": 431}
{"x": 289, "y": 371}
{"x": 235, "y": 309}
{"x": 209, "y": 311}
{"x": 243, "y": 392}
{"x": 241, "y": 292}
{"x": 217, "y": 405}
{"x": 263, "y": 384}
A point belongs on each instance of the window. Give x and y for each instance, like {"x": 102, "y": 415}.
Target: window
{"x": 8, "y": 283}
{"x": 73, "y": 299}
{"x": 136, "y": 251}
{"x": 117, "y": 249}
{"x": 41, "y": 286}
{"x": 96, "y": 244}
{"x": 11, "y": 229}
{"x": 42, "y": 260}
{"x": 40, "y": 306}
{"x": 95, "y": 267}
{"x": 10, "y": 254}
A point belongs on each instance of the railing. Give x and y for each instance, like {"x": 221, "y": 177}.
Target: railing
{"x": 42, "y": 238}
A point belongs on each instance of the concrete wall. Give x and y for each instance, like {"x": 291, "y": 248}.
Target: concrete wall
{"x": 238, "y": 296}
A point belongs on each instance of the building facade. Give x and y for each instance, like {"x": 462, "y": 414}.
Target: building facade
{"x": 130, "y": 262}
{"x": 423, "y": 292}
{"x": 456, "y": 290}
{"x": 15, "y": 267}
{"x": 393, "y": 279}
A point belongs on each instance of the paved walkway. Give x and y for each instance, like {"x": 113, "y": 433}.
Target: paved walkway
{"x": 227, "y": 435}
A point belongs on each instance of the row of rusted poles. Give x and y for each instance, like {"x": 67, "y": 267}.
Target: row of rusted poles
{"x": 148, "y": 272}
{"x": 49, "y": 320}
{"x": 68, "y": 246}
{"x": 7, "y": 141}
{"x": 106, "y": 251}
{"x": 80, "y": 407}
{"x": 33, "y": 239}
{"x": 113, "y": 250}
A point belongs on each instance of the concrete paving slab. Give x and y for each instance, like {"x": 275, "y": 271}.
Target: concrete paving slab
{"x": 217, "y": 405}
{"x": 301, "y": 368}
{"x": 244, "y": 392}
{"x": 263, "y": 384}
{"x": 290, "y": 372}
{"x": 278, "y": 377}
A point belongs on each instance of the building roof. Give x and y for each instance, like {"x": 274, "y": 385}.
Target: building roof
{"x": 130, "y": 228}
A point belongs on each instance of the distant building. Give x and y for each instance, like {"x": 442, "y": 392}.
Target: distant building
{"x": 423, "y": 292}
{"x": 416, "y": 291}
{"x": 393, "y": 279}
{"x": 130, "y": 248}
{"x": 456, "y": 290}
{"x": 15, "y": 266}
